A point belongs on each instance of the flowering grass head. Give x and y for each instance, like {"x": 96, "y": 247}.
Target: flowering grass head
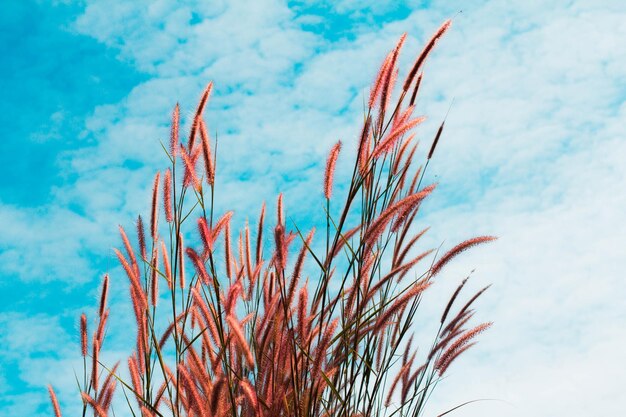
{"x": 280, "y": 329}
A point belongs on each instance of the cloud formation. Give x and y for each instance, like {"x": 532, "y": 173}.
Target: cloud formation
{"x": 533, "y": 151}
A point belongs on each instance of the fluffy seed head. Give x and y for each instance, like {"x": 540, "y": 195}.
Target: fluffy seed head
{"x": 166, "y": 265}
{"x": 434, "y": 145}
{"x": 167, "y": 195}
{"x": 154, "y": 281}
{"x": 104, "y": 294}
{"x": 422, "y": 56}
{"x": 55, "y": 402}
{"x": 209, "y": 169}
{"x": 461, "y": 247}
{"x": 330, "y": 169}
{"x": 94, "y": 362}
{"x": 199, "y": 110}
{"x": 364, "y": 145}
{"x": 280, "y": 217}
{"x": 459, "y": 346}
{"x": 378, "y": 82}
{"x": 174, "y": 131}
{"x": 190, "y": 167}
{"x": 141, "y": 237}
{"x": 416, "y": 89}
{"x": 227, "y": 251}
{"x": 154, "y": 212}
{"x": 386, "y": 144}
{"x": 98, "y": 411}
{"x": 83, "y": 334}
{"x": 235, "y": 327}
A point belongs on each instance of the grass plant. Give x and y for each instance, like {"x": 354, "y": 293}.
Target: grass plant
{"x": 248, "y": 334}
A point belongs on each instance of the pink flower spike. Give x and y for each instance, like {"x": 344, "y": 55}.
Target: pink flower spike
{"x": 174, "y": 131}
{"x": 330, "y": 169}
{"x": 422, "y": 56}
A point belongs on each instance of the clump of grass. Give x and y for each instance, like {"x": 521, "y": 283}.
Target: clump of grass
{"x": 248, "y": 335}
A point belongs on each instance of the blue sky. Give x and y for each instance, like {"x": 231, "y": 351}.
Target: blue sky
{"x": 533, "y": 152}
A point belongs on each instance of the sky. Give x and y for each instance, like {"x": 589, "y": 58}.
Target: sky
{"x": 533, "y": 152}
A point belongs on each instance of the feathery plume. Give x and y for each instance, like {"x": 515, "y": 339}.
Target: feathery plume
{"x": 321, "y": 350}
{"x": 101, "y": 326}
{"x": 166, "y": 265}
{"x": 83, "y": 334}
{"x": 453, "y": 351}
{"x": 205, "y": 234}
{"x": 206, "y": 153}
{"x": 199, "y": 303}
{"x": 228, "y": 257}
{"x": 404, "y": 269}
{"x": 303, "y": 300}
{"x": 401, "y": 375}
{"x": 129, "y": 251}
{"x": 399, "y": 269}
{"x": 94, "y": 362}
{"x": 434, "y": 145}
{"x": 198, "y": 265}
{"x": 407, "y": 248}
{"x": 108, "y": 388}
{"x": 364, "y": 145}
{"x": 241, "y": 339}
{"x": 198, "y": 115}
{"x": 400, "y": 118}
{"x": 195, "y": 400}
{"x": 174, "y": 131}
{"x": 378, "y": 82}
{"x": 249, "y": 392}
{"x": 146, "y": 412}
{"x": 259, "y": 237}
{"x": 422, "y": 56}
{"x": 461, "y": 247}
{"x": 281, "y": 250}
{"x": 416, "y": 89}
{"x": 388, "y": 84}
{"x": 445, "y": 365}
{"x": 154, "y": 211}
{"x": 470, "y": 302}
{"x": 132, "y": 277}
{"x": 399, "y": 304}
{"x": 378, "y": 226}
{"x": 96, "y": 407}
{"x": 55, "y": 402}
{"x": 386, "y": 144}
{"x": 297, "y": 269}
{"x": 330, "y": 169}
{"x": 385, "y": 96}
{"x": 104, "y": 294}
{"x": 454, "y": 296}
{"x": 141, "y": 237}
{"x": 221, "y": 223}
{"x": 133, "y": 368}
{"x": 457, "y": 325}
{"x": 344, "y": 238}
{"x": 189, "y": 159}
{"x": 279, "y": 210}
{"x": 167, "y": 195}
{"x": 154, "y": 281}
{"x": 252, "y": 274}
{"x": 217, "y": 396}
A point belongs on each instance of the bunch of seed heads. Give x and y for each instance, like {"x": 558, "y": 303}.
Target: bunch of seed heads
{"x": 248, "y": 334}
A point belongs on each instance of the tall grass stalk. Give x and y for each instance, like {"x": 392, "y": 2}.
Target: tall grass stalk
{"x": 248, "y": 335}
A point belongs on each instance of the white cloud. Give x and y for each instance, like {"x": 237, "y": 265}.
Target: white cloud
{"x": 533, "y": 151}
